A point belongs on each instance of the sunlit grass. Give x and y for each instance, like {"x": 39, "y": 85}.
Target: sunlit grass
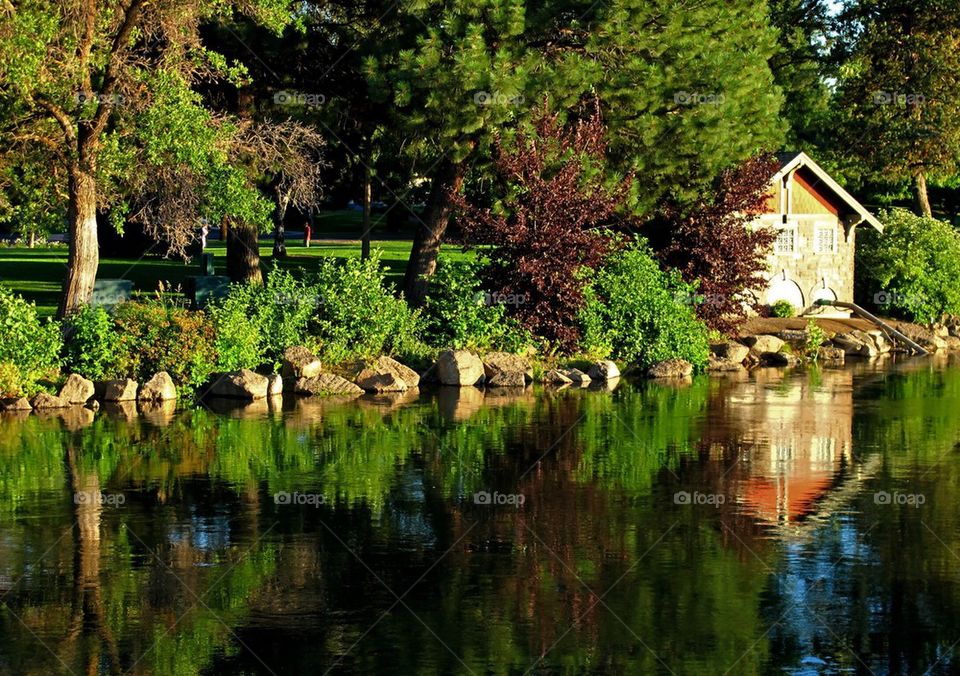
{"x": 38, "y": 273}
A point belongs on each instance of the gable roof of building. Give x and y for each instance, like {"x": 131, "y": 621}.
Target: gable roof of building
{"x": 790, "y": 162}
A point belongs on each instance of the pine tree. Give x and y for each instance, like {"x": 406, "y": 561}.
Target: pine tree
{"x": 686, "y": 90}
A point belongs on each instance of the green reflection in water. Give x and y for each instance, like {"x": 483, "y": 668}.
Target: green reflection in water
{"x": 198, "y": 570}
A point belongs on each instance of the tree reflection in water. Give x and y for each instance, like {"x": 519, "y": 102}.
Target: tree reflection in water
{"x": 600, "y": 569}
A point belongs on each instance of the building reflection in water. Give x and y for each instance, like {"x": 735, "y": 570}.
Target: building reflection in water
{"x": 788, "y": 438}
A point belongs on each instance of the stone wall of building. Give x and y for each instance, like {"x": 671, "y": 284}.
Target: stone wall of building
{"x": 818, "y": 275}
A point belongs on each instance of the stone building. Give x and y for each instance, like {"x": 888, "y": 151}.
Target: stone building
{"x": 816, "y": 220}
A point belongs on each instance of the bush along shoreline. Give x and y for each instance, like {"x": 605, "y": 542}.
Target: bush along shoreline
{"x": 342, "y": 332}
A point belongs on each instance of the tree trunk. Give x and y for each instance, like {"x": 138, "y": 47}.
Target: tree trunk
{"x": 90, "y": 612}
{"x": 84, "y": 257}
{"x": 365, "y": 234}
{"x": 243, "y": 253}
{"x": 32, "y": 242}
{"x": 426, "y": 241}
{"x": 279, "y": 238}
{"x": 920, "y": 195}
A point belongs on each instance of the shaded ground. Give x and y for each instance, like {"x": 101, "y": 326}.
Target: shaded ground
{"x": 38, "y": 273}
{"x": 829, "y": 324}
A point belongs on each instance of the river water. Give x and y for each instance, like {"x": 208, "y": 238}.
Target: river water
{"x": 777, "y": 522}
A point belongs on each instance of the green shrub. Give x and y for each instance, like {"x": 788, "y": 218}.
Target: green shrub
{"x": 11, "y": 382}
{"x": 27, "y": 343}
{"x": 912, "y": 269}
{"x": 632, "y": 312}
{"x": 93, "y": 345}
{"x": 158, "y": 337}
{"x": 458, "y": 314}
{"x": 255, "y": 324}
{"x": 783, "y": 308}
{"x": 357, "y": 316}
{"x": 286, "y": 312}
{"x": 816, "y": 337}
{"x": 238, "y": 335}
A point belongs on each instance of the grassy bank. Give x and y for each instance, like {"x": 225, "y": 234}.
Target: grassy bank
{"x": 37, "y": 273}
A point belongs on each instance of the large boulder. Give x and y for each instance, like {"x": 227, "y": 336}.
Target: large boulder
{"x": 459, "y": 367}
{"x": 576, "y": 376}
{"x": 604, "y": 370}
{"x": 387, "y": 375}
{"x": 730, "y": 352}
{"x": 926, "y": 338}
{"x": 159, "y": 388}
{"x": 119, "y": 390}
{"x": 779, "y": 359}
{"x": 77, "y": 389}
{"x": 44, "y": 400}
{"x": 939, "y": 329}
{"x": 506, "y": 379}
{"x": 299, "y": 362}
{"x": 873, "y": 342}
{"x": 242, "y": 384}
{"x": 20, "y": 404}
{"x": 671, "y": 368}
{"x": 762, "y": 344}
{"x": 721, "y": 364}
{"x": 325, "y": 383}
{"x": 881, "y": 340}
{"x": 502, "y": 369}
{"x": 274, "y": 385}
{"x": 831, "y": 354}
{"x": 556, "y": 377}
{"x": 855, "y": 344}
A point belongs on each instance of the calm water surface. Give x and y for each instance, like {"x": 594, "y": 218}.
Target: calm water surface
{"x": 796, "y": 523}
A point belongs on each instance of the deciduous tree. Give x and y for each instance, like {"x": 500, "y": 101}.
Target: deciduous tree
{"x": 713, "y": 244}
{"x": 107, "y": 88}
{"x": 549, "y": 225}
{"x": 898, "y": 90}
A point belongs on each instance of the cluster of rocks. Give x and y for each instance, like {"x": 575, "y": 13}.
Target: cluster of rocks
{"x": 463, "y": 368}
{"x": 79, "y": 391}
{"x": 601, "y": 372}
{"x": 302, "y": 372}
{"x": 943, "y": 334}
{"x": 783, "y": 348}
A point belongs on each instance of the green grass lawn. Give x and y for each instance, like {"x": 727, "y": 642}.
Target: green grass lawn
{"x": 38, "y": 273}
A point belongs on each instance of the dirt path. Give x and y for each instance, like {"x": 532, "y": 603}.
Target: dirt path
{"x": 833, "y": 325}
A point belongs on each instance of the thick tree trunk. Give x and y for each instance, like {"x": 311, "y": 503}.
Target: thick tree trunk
{"x": 243, "y": 253}
{"x": 89, "y": 612}
{"x": 32, "y": 242}
{"x": 921, "y": 197}
{"x": 84, "y": 257}
{"x": 365, "y": 234}
{"x": 429, "y": 235}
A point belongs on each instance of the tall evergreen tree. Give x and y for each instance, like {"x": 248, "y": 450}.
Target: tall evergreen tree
{"x": 686, "y": 91}
{"x": 802, "y": 68}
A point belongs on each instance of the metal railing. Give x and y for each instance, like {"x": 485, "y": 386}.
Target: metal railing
{"x": 891, "y": 332}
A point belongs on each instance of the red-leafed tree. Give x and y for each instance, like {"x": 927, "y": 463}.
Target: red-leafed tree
{"x": 712, "y": 243}
{"x": 551, "y": 221}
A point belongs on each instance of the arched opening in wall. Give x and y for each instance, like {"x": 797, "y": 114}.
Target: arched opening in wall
{"x": 785, "y": 289}
{"x": 821, "y": 292}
